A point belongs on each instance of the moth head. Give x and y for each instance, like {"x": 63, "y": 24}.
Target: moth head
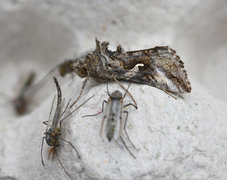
{"x": 80, "y": 69}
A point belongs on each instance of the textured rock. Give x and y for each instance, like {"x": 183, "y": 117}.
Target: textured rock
{"x": 178, "y": 139}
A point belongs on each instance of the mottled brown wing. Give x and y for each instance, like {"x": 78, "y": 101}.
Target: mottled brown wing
{"x": 161, "y": 66}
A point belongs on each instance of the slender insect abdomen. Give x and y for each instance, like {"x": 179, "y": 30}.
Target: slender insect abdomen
{"x": 58, "y": 108}
{"x": 113, "y": 123}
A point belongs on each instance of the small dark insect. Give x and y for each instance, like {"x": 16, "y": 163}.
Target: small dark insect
{"x": 159, "y": 67}
{"x": 53, "y": 132}
{"x": 112, "y": 122}
{"x": 21, "y": 101}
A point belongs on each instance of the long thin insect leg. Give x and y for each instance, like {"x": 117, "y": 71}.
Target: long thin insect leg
{"x": 71, "y": 145}
{"x": 65, "y": 108}
{"x": 63, "y": 166}
{"x": 42, "y": 152}
{"x": 45, "y": 122}
{"x": 126, "y": 130}
{"x": 97, "y": 113}
{"x": 130, "y": 104}
{"x": 84, "y": 84}
{"x": 127, "y": 148}
{"x": 75, "y": 109}
{"x": 126, "y": 92}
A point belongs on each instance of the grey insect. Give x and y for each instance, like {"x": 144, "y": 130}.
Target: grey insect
{"x": 112, "y": 122}
{"x": 53, "y": 132}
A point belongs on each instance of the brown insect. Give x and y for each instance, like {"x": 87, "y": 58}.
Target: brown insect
{"x": 21, "y": 101}
{"x": 159, "y": 67}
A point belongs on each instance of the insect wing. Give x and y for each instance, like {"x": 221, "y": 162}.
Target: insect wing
{"x": 57, "y": 115}
{"x": 50, "y": 119}
{"x": 111, "y": 126}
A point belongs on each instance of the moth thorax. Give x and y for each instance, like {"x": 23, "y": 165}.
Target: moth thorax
{"x": 116, "y": 95}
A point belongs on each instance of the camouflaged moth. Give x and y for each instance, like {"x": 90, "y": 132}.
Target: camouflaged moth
{"x": 159, "y": 67}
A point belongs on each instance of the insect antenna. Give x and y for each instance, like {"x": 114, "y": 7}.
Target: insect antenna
{"x": 107, "y": 89}
{"x": 135, "y": 105}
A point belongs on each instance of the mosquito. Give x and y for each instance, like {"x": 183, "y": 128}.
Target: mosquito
{"x": 112, "y": 122}
{"x": 52, "y": 135}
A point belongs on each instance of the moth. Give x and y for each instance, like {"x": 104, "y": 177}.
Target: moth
{"x": 159, "y": 67}
{"x": 112, "y": 122}
{"x": 53, "y": 132}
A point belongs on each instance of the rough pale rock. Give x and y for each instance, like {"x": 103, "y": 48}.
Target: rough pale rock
{"x": 181, "y": 139}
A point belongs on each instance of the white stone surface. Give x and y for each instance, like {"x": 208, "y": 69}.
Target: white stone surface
{"x": 181, "y": 139}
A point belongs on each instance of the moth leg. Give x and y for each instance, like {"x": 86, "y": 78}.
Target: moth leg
{"x": 42, "y": 152}
{"x": 99, "y": 112}
{"x": 127, "y": 91}
{"x": 71, "y": 145}
{"x": 84, "y": 84}
{"x": 126, "y": 131}
{"x": 63, "y": 166}
{"x": 127, "y": 147}
{"x": 168, "y": 93}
